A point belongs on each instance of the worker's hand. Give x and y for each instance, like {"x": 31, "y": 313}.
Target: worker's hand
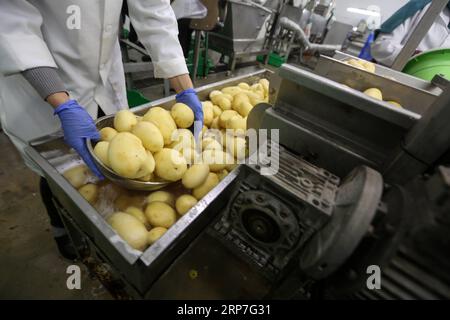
{"x": 78, "y": 125}
{"x": 189, "y": 98}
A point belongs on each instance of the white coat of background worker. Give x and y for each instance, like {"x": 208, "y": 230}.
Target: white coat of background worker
{"x": 60, "y": 61}
{"x": 395, "y": 31}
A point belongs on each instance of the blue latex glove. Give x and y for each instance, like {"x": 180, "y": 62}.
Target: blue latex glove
{"x": 189, "y": 98}
{"x": 78, "y": 125}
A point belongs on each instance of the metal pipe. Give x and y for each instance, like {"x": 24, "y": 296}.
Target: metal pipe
{"x": 290, "y": 25}
{"x": 196, "y": 54}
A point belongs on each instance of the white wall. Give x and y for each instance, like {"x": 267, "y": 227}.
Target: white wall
{"x": 388, "y": 7}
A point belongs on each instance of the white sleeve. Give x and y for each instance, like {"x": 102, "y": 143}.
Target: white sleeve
{"x": 22, "y": 46}
{"x": 387, "y": 46}
{"x": 157, "y": 29}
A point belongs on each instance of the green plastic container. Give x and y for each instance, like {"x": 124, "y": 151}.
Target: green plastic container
{"x": 135, "y": 98}
{"x": 201, "y": 63}
{"x": 274, "y": 59}
{"x": 428, "y": 64}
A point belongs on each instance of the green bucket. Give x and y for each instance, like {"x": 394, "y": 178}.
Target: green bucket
{"x": 428, "y": 64}
{"x": 135, "y": 98}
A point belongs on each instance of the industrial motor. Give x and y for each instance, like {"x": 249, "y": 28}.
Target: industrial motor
{"x": 313, "y": 237}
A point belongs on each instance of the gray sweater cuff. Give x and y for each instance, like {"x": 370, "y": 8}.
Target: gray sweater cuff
{"x": 45, "y": 80}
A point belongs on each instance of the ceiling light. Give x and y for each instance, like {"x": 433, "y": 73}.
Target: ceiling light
{"x": 364, "y": 12}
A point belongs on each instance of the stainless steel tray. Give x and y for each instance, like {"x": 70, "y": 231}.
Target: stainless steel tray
{"x": 414, "y": 95}
{"x": 386, "y": 72}
{"x": 139, "y": 269}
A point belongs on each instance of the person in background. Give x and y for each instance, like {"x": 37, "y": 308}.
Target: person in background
{"x": 61, "y": 67}
{"x": 185, "y": 35}
{"x": 394, "y": 32}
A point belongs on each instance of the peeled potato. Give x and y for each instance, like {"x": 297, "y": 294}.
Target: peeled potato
{"x": 150, "y": 136}
{"x": 161, "y": 196}
{"x": 217, "y": 111}
{"x": 163, "y": 120}
{"x": 228, "y": 97}
{"x": 355, "y": 63}
{"x": 123, "y": 201}
{"x": 265, "y": 84}
{"x": 77, "y": 176}
{"x": 182, "y": 138}
{"x": 89, "y": 192}
{"x": 208, "y": 113}
{"x": 238, "y": 99}
{"x": 183, "y": 115}
{"x": 124, "y": 121}
{"x": 130, "y": 229}
{"x": 127, "y": 155}
{"x": 211, "y": 143}
{"x": 244, "y": 86}
{"x": 107, "y": 133}
{"x": 148, "y": 166}
{"x": 228, "y": 114}
{"x": 222, "y": 174}
{"x": 137, "y": 213}
{"x": 101, "y": 151}
{"x": 204, "y": 129}
{"x": 160, "y": 214}
{"x": 184, "y": 203}
{"x": 374, "y": 93}
{"x": 236, "y": 147}
{"x": 236, "y": 123}
{"x": 214, "y": 93}
{"x": 255, "y": 98}
{"x": 368, "y": 66}
{"x": 170, "y": 164}
{"x": 231, "y": 90}
{"x": 154, "y": 234}
{"x": 211, "y": 181}
{"x": 215, "y": 123}
{"x": 258, "y": 89}
{"x": 221, "y": 101}
{"x": 195, "y": 175}
{"x": 244, "y": 108}
{"x": 189, "y": 154}
{"x": 215, "y": 134}
{"x": 207, "y": 102}
{"x": 216, "y": 159}
{"x": 395, "y": 104}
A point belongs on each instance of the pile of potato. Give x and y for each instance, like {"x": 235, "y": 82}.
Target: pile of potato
{"x": 371, "y": 92}
{"x": 159, "y": 146}
{"x": 377, "y": 94}
{"x": 142, "y": 224}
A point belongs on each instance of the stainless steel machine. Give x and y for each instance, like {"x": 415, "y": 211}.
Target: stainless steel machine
{"x": 243, "y": 33}
{"x": 343, "y": 198}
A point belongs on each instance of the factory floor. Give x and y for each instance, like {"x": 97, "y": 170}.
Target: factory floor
{"x": 30, "y": 266}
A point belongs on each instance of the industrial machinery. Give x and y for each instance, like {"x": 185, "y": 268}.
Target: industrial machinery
{"x": 295, "y": 31}
{"x": 243, "y": 32}
{"x": 307, "y": 219}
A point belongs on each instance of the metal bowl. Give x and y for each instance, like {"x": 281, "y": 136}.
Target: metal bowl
{"x": 107, "y": 121}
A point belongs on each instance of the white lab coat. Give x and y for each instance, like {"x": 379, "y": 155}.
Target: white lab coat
{"x": 387, "y": 46}
{"x": 37, "y": 33}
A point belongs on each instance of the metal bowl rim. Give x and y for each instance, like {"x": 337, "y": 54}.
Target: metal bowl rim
{"x": 114, "y": 176}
